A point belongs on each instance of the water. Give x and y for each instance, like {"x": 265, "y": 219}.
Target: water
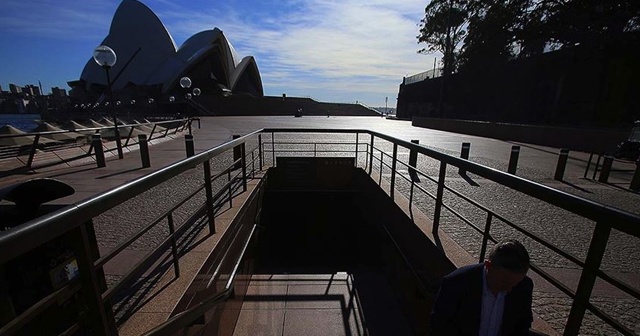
{"x": 23, "y": 122}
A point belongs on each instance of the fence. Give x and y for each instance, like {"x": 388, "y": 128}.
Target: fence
{"x": 53, "y": 147}
{"x": 371, "y": 149}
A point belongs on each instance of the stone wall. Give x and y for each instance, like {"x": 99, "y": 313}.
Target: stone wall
{"x": 581, "y": 139}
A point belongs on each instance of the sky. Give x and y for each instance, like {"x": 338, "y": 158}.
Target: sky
{"x": 330, "y": 50}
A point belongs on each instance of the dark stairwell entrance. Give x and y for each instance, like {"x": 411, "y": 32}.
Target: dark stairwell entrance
{"x": 322, "y": 267}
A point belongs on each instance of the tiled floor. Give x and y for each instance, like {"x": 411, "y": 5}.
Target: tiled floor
{"x": 311, "y": 304}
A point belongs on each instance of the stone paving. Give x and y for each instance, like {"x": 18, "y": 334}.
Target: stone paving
{"x": 536, "y": 163}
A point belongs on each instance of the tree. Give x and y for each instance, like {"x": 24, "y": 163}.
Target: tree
{"x": 494, "y": 29}
{"x": 597, "y": 23}
{"x": 442, "y": 29}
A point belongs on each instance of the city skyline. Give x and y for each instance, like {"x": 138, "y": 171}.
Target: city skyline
{"x": 332, "y": 51}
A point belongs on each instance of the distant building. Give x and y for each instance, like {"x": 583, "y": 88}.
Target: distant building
{"x": 15, "y": 89}
{"x": 32, "y": 90}
{"x": 57, "y": 92}
{"x": 149, "y": 63}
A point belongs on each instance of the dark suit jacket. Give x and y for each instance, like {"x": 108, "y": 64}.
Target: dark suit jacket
{"x": 458, "y": 304}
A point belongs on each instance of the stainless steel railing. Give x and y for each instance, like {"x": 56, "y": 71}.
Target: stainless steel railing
{"x": 48, "y": 145}
{"x": 26, "y": 237}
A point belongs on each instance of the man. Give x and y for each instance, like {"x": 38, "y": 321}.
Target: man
{"x": 487, "y": 299}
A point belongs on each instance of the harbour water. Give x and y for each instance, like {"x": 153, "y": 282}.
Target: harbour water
{"x": 23, "y": 122}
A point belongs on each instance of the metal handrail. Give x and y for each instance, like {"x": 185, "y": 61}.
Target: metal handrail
{"x": 29, "y": 235}
{"x": 184, "y": 318}
{"x": 87, "y": 209}
{"x": 2, "y": 136}
{"x": 32, "y": 234}
{"x": 53, "y": 145}
{"x": 606, "y": 218}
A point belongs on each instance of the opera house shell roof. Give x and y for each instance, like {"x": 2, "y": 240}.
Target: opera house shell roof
{"x": 147, "y": 57}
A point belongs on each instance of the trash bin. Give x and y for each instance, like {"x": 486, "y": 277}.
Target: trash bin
{"x": 29, "y": 277}
{"x": 28, "y": 198}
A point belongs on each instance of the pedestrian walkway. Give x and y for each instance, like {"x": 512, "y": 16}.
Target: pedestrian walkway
{"x": 89, "y": 180}
{"x": 536, "y": 163}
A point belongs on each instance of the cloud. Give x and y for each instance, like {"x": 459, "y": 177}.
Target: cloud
{"x": 329, "y": 43}
{"x": 303, "y": 45}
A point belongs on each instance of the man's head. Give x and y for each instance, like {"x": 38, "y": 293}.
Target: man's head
{"x": 507, "y": 265}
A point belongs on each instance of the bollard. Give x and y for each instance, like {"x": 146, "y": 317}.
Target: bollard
{"x": 144, "y": 150}
{"x": 562, "y": 164}
{"x": 237, "y": 153}
{"x": 413, "y": 162}
{"x": 464, "y": 153}
{"x": 188, "y": 141}
{"x": 635, "y": 181}
{"x": 96, "y": 142}
{"x": 513, "y": 160}
{"x": 606, "y": 169}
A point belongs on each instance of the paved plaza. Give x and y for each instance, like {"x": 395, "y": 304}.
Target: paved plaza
{"x": 536, "y": 163}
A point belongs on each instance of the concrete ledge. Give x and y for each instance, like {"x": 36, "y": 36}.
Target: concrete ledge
{"x": 586, "y": 140}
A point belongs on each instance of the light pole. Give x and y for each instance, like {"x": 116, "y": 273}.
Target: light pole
{"x": 106, "y": 58}
{"x": 185, "y": 83}
{"x": 386, "y": 109}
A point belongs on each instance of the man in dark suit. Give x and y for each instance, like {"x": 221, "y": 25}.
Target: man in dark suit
{"x": 487, "y": 299}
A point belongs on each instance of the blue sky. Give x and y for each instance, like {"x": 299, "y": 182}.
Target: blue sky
{"x": 330, "y": 50}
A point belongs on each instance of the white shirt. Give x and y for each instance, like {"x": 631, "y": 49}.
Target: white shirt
{"x": 492, "y": 309}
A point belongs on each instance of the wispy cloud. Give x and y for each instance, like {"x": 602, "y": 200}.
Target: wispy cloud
{"x": 306, "y": 47}
{"x": 332, "y": 43}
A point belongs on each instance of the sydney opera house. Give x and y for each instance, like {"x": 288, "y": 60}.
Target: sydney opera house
{"x": 150, "y": 64}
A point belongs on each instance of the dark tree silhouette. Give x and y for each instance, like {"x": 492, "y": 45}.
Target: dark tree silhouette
{"x": 443, "y": 29}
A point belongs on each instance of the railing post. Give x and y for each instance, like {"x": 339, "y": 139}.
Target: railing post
{"x": 126, "y": 143}
{"x": 32, "y": 153}
{"x": 209, "y": 191}
{"x": 244, "y": 167}
{"x": 586, "y": 171}
{"x": 357, "y": 143}
{"x": 97, "y": 146}
{"x": 253, "y": 164}
{"x": 144, "y": 150}
{"x": 485, "y": 238}
{"x": 464, "y": 153}
{"x": 174, "y": 249}
{"x": 188, "y": 142}
{"x": 371, "y": 155}
{"x": 97, "y": 313}
{"x": 635, "y": 181}
{"x": 230, "y": 189}
{"x": 273, "y": 149}
{"x": 562, "y": 164}
{"x": 118, "y": 142}
{"x": 393, "y": 169}
{"x": 237, "y": 153}
{"x": 436, "y": 213}
{"x": 606, "y": 169}
{"x": 152, "y": 130}
{"x": 595, "y": 170}
{"x": 597, "y": 248}
{"x": 513, "y": 159}
{"x": 260, "y": 154}
{"x": 381, "y": 168}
